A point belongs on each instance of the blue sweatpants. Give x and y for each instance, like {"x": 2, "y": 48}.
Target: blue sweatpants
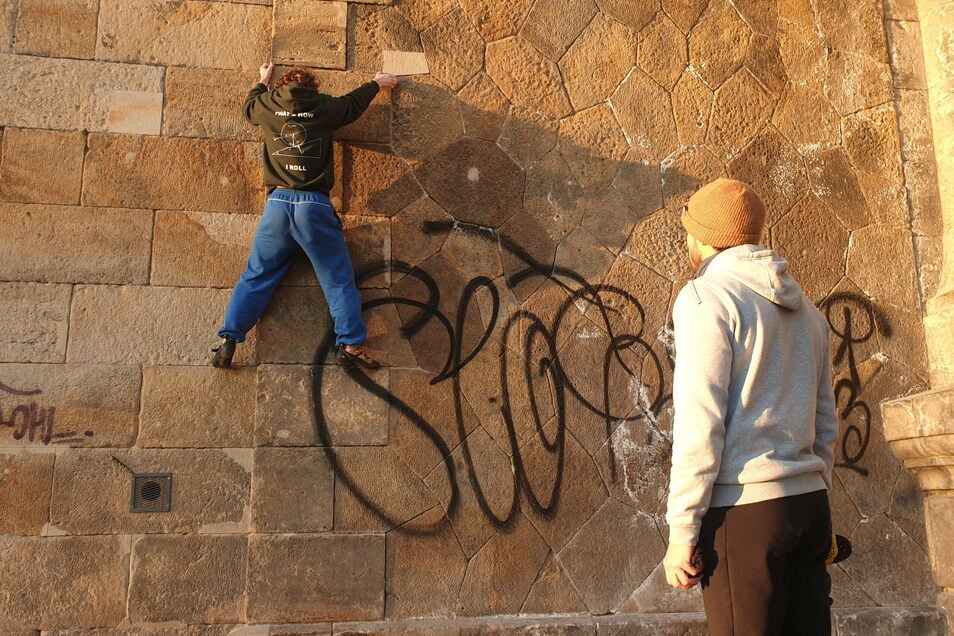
{"x": 292, "y": 218}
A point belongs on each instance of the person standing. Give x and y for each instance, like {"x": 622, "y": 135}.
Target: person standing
{"x": 754, "y": 428}
{"x": 298, "y": 123}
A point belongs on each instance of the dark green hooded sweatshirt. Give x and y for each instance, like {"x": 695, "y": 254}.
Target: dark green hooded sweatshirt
{"x": 298, "y": 123}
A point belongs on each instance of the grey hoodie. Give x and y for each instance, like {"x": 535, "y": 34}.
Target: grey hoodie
{"x": 752, "y": 389}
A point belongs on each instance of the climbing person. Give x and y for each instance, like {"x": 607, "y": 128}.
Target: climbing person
{"x": 298, "y": 123}
{"x": 754, "y": 428}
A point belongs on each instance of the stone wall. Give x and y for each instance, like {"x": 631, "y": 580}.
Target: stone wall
{"x": 513, "y": 218}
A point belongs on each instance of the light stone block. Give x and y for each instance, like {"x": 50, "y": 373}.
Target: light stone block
{"x": 61, "y": 244}
{"x": 58, "y": 28}
{"x": 173, "y": 174}
{"x": 293, "y": 490}
{"x": 404, "y": 63}
{"x": 41, "y": 166}
{"x": 8, "y": 25}
{"x": 81, "y": 98}
{"x": 25, "y": 483}
{"x": 310, "y": 33}
{"x": 193, "y": 33}
{"x": 67, "y": 404}
{"x": 34, "y": 322}
{"x": 61, "y": 582}
{"x": 135, "y": 112}
{"x": 203, "y": 102}
{"x": 210, "y": 491}
{"x": 197, "y": 407}
{"x": 201, "y": 249}
{"x": 149, "y": 325}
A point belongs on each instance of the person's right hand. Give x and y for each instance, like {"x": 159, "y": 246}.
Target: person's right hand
{"x": 683, "y": 566}
{"x": 265, "y": 73}
{"x": 386, "y": 80}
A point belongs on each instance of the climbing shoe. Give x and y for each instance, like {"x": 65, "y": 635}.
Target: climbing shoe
{"x": 357, "y": 358}
{"x": 223, "y": 354}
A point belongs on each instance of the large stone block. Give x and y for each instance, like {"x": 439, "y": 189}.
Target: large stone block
{"x": 315, "y": 578}
{"x": 806, "y": 118}
{"x": 496, "y": 20}
{"x": 552, "y": 592}
{"x": 26, "y": 480}
{"x": 67, "y": 404}
{"x": 377, "y": 30}
{"x": 285, "y": 408}
{"x": 454, "y": 49}
{"x": 173, "y": 174}
{"x": 62, "y": 582}
{"x": 59, "y": 244}
{"x": 375, "y": 124}
{"x": 59, "y": 28}
{"x": 552, "y": 25}
{"x": 210, "y": 491}
{"x": 354, "y": 416}
{"x": 310, "y": 33}
{"x": 83, "y": 97}
{"x": 662, "y": 52}
{"x": 35, "y": 322}
{"x": 197, "y": 407}
{"x": 774, "y": 170}
{"x": 148, "y": 325}
{"x": 741, "y": 106}
{"x": 42, "y": 166}
{"x": 427, "y": 118}
{"x": 814, "y": 246}
{"x": 200, "y": 249}
{"x": 593, "y": 145}
{"x": 192, "y": 579}
{"x": 292, "y": 490}
{"x": 653, "y": 131}
{"x": 8, "y": 26}
{"x": 717, "y": 44}
{"x": 526, "y": 77}
{"x": 484, "y": 108}
{"x": 194, "y": 33}
{"x": 881, "y": 262}
{"x": 295, "y": 323}
{"x": 375, "y": 181}
{"x": 201, "y": 102}
{"x": 939, "y": 512}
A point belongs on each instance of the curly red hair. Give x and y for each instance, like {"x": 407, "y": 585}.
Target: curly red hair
{"x": 299, "y": 75}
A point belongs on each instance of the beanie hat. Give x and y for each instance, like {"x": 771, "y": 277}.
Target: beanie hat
{"x": 725, "y": 213}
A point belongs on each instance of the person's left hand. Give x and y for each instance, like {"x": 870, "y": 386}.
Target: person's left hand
{"x": 265, "y": 73}
{"x": 683, "y": 566}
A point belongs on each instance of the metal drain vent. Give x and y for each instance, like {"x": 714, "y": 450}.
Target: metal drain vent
{"x": 151, "y": 492}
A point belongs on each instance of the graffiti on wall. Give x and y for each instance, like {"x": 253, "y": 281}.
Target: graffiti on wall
{"x": 26, "y": 421}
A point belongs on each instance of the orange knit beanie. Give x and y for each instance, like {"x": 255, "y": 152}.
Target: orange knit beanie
{"x": 725, "y": 213}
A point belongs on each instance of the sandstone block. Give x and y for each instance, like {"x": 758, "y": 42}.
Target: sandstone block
{"x": 135, "y": 112}
{"x": 8, "y": 27}
{"x": 375, "y": 124}
{"x": 552, "y": 593}
{"x": 684, "y": 172}
{"x": 552, "y": 25}
{"x": 41, "y": 166}
{"x": 806, "y": 118}
{"x": 640, "y": 183}
{"x": 662, "y": 52}
{"x": 609, "y": 219}
{"x": 404, "y": 63}
{"x": 526, "y": 77}
{"x": 653, "y": 131}
{"x": 75, "y": 405}
{"x": 377, "y": 30}
{"x": 173, "y": 174}
{"x": 314, "y": 578}
{"x": 408, "y": 243}
{"x": 197, "y": 407}
{"x": 426, "y": 118}
{"x": 741, "y": 106}
{"x": 583, "y": 255}
{"x": 35, "y": 322}
{"x": 354, "y": 416}
{"x": 939, "y": 512}
{"x": 881, "y": 262}
{"x": 58, "y": 28}
{"x": 454, "y": 49}
{"x": 200, "y": 249}
{"x": 835, "y": 182}
{"x": 423, "y": 13}
{"x": 26, "y": 480}
{"x": 597, "y": 61}
{"x": 717, "y": 43}
{"x": 814, "y": 246}
{"x": 210, "y": 491}
{"x": 75, "y": 244}
{"x": 553, "y": 200}
{"x": 192, "y": 579}
{"x": 883, "y": 621}
{"x": 375, "y": 181}
{"x": 195, "y": 109}
{"x": 80, "y": 99}
{"x": 774, "y": 170}
{"x": 496, "y": 20}
{"x": 854, "y": 82}
{"x": 484, "y": 108}
{"x": 169, "y": 325}
{"x": 195, "y": 33}
{"x": 658, "y": 242}
{"x": 655, "y": 595}
{"x": 62, "y": 582}
{"x": 285, "y": 409}
{"x": 310, "y": 33}
{"x": 871, "y": 139}
{"x": 633, "y": 13}
{"x": 593, "y": 145}
{"x": 527, "y": 136}
{"x": 295, "y": 323}
{"x": 292, "y": 490}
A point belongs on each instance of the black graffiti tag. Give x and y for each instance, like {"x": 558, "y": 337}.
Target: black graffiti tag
{"x": 30, "y": 422}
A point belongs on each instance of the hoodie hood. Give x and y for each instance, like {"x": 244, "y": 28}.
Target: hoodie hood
{"x": 760, "y": 269}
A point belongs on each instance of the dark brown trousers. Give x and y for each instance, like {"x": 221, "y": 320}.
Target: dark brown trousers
{"x": 765, "y": 567}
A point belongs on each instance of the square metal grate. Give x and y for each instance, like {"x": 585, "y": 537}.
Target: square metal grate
{"x": 151, "y": 492}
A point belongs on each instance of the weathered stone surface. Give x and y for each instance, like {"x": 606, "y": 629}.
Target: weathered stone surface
{"x": 836, "y": 184}
{"x": 659, "y": 242}
{"x": 907, "y": 56}
{"x": 483, "y": 107}
{"x": 35, "y": 322}
{"x": 284, "y": 413}
{"x": 193, "y": 110}
{"x": 806, "y": 119}
{"x": 685, "y": 13}
{"x": 741, "y": 106}
{"x": 62, "y": 582}
{"x": 95, "y": 405}
{"x": 880, "y": 261}
{"x": 684, "y": 172}
{"x": 611, "y": 555}
{"x": 496, "y": 20}
{"x": 883, "y": 621}
{"x": 195, "y": 33}
{"x": 526, "y": 77}
{"x": 774, "y": 170}
{"x": 374, "y": 126}
{"x": 150, "y": 172}
{"x": 411, "y": 243}
{"x": 188, "y": 578}
{"x": 474, "y": 181}
{"x": 78, "y": 245}
{"x": 552, "y": 592}
{"x": 663, "y": 53}
{"x": 375, "y": 181}
{"x": 210, "y": 491}
{"x": 8, "y": 26}
{"x": 653, "y": 130}
{"x": 500, "y": 575}
{"x": 814, "y": 245}
{"x": 292, "y": 490}
{"x": 553, "y": 198}
{"x": 135, "y": 112}
{"x": 424, "y": 572}
{"x": 295, "y": 323}
{"x": 454, "y": 49}
{"x": 583, "y": 255}
{"x": 718, "y": 43}
{"x": 80, "y": 99}
{"x": 871, "y": 140}
{"x": 640, "y": 183}
{"x": 633, "y": 13}
{"x": 764, "y": 61}
{"x": 169, "y": 325}
{"x": 315, "y": 578}
{"x": 552, "y": 26}
{"x": 597, "y": 61}
{"x": 854, "y": 82}
{"x": 657, "y": 596}
{"x": 472, "y": 253}
{"x": 692, "y": 104}
{"x": 939, "y": 513}
{"x": 353, "y": 415}
{"x": 423, "y": 13}
{"x": 41, "y": 166}
{"x": 527, "y": 136}
{"x": 26, "y": 480}
{"x": 200, "y": 249}
{"x": 801, "y": 47}
{"x": 56, "y": 28}
{"x": 593, "y": 145}
{"x": 426, "y": 118}
{"x": 863, "y": 33}
{"x": 196, "y": 407}
{"x": 377, "y": 30}
{"x": 528, "y": 248}
{"x": 310, "y": 33}
{"x": 609, "y": 219}
{"x": 369, "y": 245}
